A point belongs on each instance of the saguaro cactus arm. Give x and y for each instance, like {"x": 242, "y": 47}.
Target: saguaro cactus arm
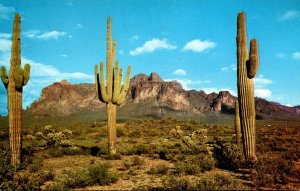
{"x": 4, "y": 76}
{"x": 125, "y": 87}
{"x": 26, "y": 74}
{"x": 103, "y": 89}
{"x": 253, "y": 63}
{"x": 116, "y": 91}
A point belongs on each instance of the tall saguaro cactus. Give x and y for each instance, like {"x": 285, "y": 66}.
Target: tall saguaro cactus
{"x": 247, "y": 67}
{"x": 237, "y": 124}
{"x": 111, "y": 92}
{"x": 14, "y": 83}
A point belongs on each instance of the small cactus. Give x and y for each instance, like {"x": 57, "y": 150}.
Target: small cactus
{"x": 247, "y": 67}
{"x": 111, "y": 92}
{"x": 14, "y": 83}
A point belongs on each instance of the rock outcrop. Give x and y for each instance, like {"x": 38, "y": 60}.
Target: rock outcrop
{"x": 147, "y": 95}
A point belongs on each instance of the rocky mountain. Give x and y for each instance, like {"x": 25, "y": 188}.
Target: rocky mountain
{"x": 147, "y": 96}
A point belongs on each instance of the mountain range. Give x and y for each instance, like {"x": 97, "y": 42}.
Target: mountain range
{"x": 148, "y": 96}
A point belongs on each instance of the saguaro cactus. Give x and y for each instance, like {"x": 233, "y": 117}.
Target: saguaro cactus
{"x": 237, "y": 124}
{"x": 112, "y": 92}
{"x": 14, "y": 83}
{"x": 246, "y": 70}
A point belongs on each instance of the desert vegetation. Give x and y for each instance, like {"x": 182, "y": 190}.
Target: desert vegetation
{"x": 164, "y": 154}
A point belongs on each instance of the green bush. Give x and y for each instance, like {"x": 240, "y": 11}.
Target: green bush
{"x": 75, "y": 179}
{"x": 7, "y": 171}
{"x": 159, "y": 169}
{"x": 186, "y": 168}
{"x": 137, "y": 161}
{"x": 121, "y": 131}
{"x": 99, "y": 174}
{"x": 47, "y": 175}
{"x": 228, "y": 155}
{"x": 113, "y": 157}
{"x": 204, "y": 162}
{"x": 219, "y": 182}
{"x": 275, "y": 171}
{"x": 74, "y": 150}
{"x": 207, "y": 182}
{"x": 141, "y": 149}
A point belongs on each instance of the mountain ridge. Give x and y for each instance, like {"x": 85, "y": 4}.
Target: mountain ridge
{"x": 148, "y": 95}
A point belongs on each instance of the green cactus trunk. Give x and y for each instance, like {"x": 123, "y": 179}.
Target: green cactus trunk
{"x": 246, "y": 70}
{"x": 111, "y": 92}
{"x": 18, "y": 78}
{"x": 111, "y": 124}
{"x": 237, "y": 124}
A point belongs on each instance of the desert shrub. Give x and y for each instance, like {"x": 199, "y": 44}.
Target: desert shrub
{"x": 36, "y": 164}
{"x": 137, "y": 161}
{"x": 74, "y": 150}
{"x": 194, "y": 143}
{"x": 127, "y": 164}
{"x": 75, "y": 179}
{"x": 7, "y": 171}
{"x": 58, "y": 186}
{"x": 207, "y": 182}
{"x": 55, "y": 152}
{"x": 24, "y": 181}
{"x": 99, "y": 174}
{"x": 121, "y": 131}
{"x": 141, "y": 149}
{"x": 51, "y": 138}
{"x": 186, "y": 168}
{"x": 204, "y": 162}
{"x": 174, "y": 183}
{"x": 219, "y": 182}
{"x": 134, "y": 134}
{"x": 116, "y": 156}
{"x": 273, "y": 171}
{"x": 228, "y": 155}
{"x": 159, "y": 169}
{"x": 47, "y": 175}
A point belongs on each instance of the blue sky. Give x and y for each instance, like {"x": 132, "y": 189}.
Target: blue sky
{"x": 192, "y": 41}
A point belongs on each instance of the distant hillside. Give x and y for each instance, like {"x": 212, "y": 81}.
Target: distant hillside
{"x": 148, "y": 96}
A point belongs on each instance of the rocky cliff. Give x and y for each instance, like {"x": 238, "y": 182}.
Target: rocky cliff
{"x": 148, "y": 95}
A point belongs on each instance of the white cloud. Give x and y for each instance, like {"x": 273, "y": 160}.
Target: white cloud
{"x": 152, "y": 45}
{"x": 263, "y": 93}
{"x": 179, "y": 72}
{"x": 5, "y": 35}
{"x": 5, "y": 45}
{"x": 135, "y": 37}
{"x": 289, "y": 105}
{"x": 45, "y": 36}
{"x": 6, "y": 12}
{"x": 79, "y": 26}
{"x": 31, "y": 33}
{"x": 186, "y": 83}
{"x": 280, "y": 55}
{"x": 51, "y": 35}
{"x": 121, "y": 52}
{"x": 296, "y": 55}
{"x": 289, "y": 15}
{"x": 260, "y": 81}
{"x": 199, "y": 46}
{"x": 231, "y": 67}
{"x": 217, "y": 90}
{"x": 64, "y": 55}
{"x": 223, "y": 69}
